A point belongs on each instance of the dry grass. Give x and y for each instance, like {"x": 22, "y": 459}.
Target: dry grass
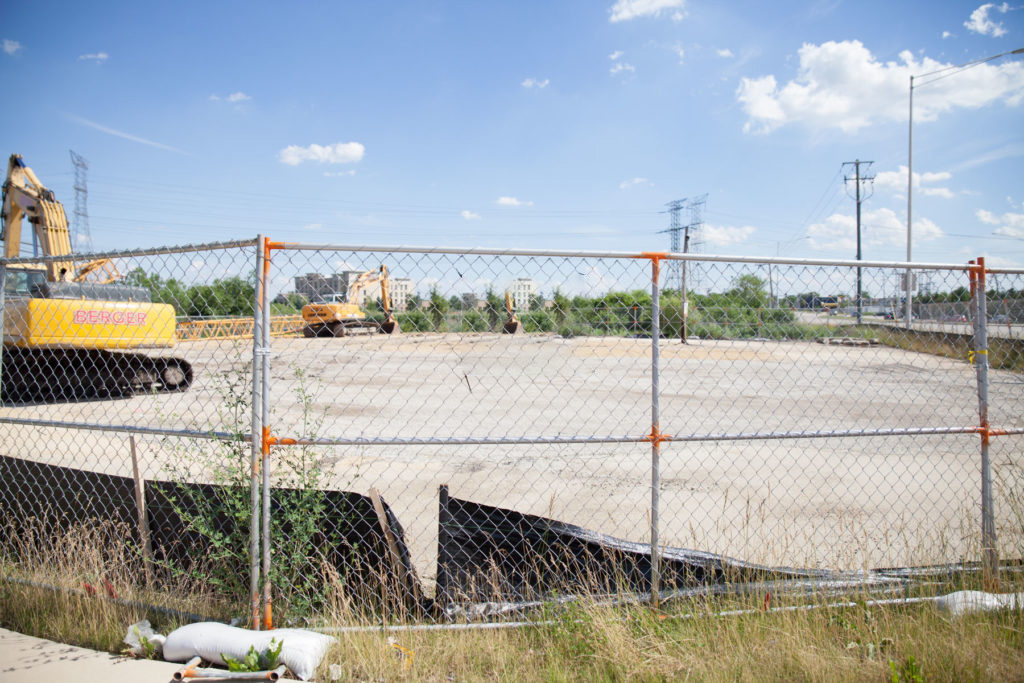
{"x": 594, "y": 643}
{"x": 580, "y": 641}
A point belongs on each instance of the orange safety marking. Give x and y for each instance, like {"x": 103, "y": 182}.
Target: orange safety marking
{"x": 657, "y": 436}
{"x": 266, "y": 441}
{"x": 655, "y": 257}
{"x": 268, "y": 621}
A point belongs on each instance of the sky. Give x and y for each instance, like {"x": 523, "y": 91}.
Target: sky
{"x": 542, "y": 125}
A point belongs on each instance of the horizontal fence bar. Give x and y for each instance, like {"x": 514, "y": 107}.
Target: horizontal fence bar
{"x": 156, "y": 251}
{"x": 751, "y": 436}
{"x": 765, "y": 260}
{"x": 127, "y": 429}
{"x": 528, "y": 440}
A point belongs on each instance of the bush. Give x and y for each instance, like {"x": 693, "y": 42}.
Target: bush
{"x": 414, "y": 321}
{"x": 537, "y": 321}
{"x": 473, "y": 321}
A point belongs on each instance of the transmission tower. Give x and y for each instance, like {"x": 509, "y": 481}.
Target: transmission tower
{"x": 81, "y": 239}
{"x": 682, "y": 272}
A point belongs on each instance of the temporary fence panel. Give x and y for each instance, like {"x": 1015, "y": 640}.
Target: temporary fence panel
{"x": 768, "y": 415}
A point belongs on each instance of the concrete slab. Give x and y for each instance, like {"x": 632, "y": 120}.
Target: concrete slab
{"x": 26, "y": 659}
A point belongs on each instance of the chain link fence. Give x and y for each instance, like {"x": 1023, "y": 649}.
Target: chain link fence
{"x": 328, "y": 434}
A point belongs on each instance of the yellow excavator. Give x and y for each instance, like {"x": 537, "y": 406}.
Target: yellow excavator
{"x": 68, "y": 329}
{"x": 512, "y": 323}
{"x": 335, "y": 317}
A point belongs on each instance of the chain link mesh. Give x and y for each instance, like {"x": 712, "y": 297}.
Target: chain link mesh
{"x": 500, "y": 445}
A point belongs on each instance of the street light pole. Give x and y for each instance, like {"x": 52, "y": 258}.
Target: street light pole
{"x": 908, "y": 284}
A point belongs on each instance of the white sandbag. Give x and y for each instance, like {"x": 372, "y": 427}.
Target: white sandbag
{"x": 964, "y": 602}
{"x": 302, "y": 651}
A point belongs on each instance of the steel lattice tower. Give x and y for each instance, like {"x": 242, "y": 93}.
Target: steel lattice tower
{"x": 81, "y": 239}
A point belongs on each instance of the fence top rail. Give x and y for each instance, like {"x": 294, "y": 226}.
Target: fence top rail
{"x": 669, "y": 256}
{"x": 152, "y": 251}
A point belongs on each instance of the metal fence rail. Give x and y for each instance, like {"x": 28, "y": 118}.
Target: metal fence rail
{"x": 765, "y": 416}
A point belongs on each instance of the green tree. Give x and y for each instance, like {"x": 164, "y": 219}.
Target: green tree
{"x": 437, "y": 309}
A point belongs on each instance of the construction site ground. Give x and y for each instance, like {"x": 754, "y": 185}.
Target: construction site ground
{"x": 848, "y": 502}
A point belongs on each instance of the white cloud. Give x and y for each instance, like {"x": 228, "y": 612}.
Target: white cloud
{"x": 724, "y": 52}
{"x": 1009, "y": 224}
{"x": 881, "y": 227}
{"x": 980, "y": 23}
{"x": 512, "y": 201}
{"x": 633, "y": 182}
{"x": 338, "y": 153}
{"x": 615, "y": 55}
{"x": 842, "y": 85}
{"x": 98, "y": 57}
{"x": 946, "y": 34}
{"x": 619, "y": 67}
{"x": 624, "y": 10}
{"x": 313, "y": 226}
{"x": 469, "y": 215}
{"x": 233, "y": 97}
{"x": 534, "y": 83}
{"x": 722, "y": 235}
{"x": 339, "y": 174}
{"x": 11, "y": 46}
{"x": 896, "y": 181}
{"x": 680, "y": 52}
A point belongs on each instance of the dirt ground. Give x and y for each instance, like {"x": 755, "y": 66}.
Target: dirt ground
{"x": 851, "y": 501}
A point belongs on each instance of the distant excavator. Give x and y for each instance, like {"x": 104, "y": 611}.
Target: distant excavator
{"x": 341, "y": 313}
{"x": 67, "y": 328}
{"x": 512, "y": 324}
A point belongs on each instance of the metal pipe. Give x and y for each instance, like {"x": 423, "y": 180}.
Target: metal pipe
{"x": 193, "y": 671}
{"x": 990, "y": 556}
{"x": 127, "y": 429}
{"x": 265, "y": 436}
{"x": 774, "y": 260}
{"x": 158, "y": 251}
{"x": 655, "y": 429}
{"x": 255, "y": 445}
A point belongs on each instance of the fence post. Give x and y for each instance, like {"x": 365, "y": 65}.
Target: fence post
{"x": 655, "y": 437}
{"x": 265, "y": 436}
{"x": 989, "y": 553}
{"x": 256, "y": 442}
{"x": 3, "y": 311}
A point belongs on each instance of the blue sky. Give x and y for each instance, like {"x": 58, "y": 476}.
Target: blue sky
{"x": 563, "y": 125}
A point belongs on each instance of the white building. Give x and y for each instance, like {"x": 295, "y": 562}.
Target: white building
{"x": 401, "y": 289}
{"x": 522, "y": 291}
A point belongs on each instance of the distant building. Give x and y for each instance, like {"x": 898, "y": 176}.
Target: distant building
{"x": 317, "y": 287}
{"x": 401, "y": 289}
{"x": 523, "y": 290}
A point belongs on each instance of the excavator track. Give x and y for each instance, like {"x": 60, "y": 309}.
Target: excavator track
{"x": 57, "y": 375}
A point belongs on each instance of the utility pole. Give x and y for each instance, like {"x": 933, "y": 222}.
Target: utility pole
{"x": 81, "y": 236}
{"x": 858, "y": 180}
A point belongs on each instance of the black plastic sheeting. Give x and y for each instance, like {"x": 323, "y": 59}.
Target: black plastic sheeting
{"x": 494, "y": 555}
{"x": 44, "y": 501}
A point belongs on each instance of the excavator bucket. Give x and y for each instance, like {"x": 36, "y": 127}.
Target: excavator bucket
{"x": 512, "y": 326}
{"x": 390, "y": 326}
